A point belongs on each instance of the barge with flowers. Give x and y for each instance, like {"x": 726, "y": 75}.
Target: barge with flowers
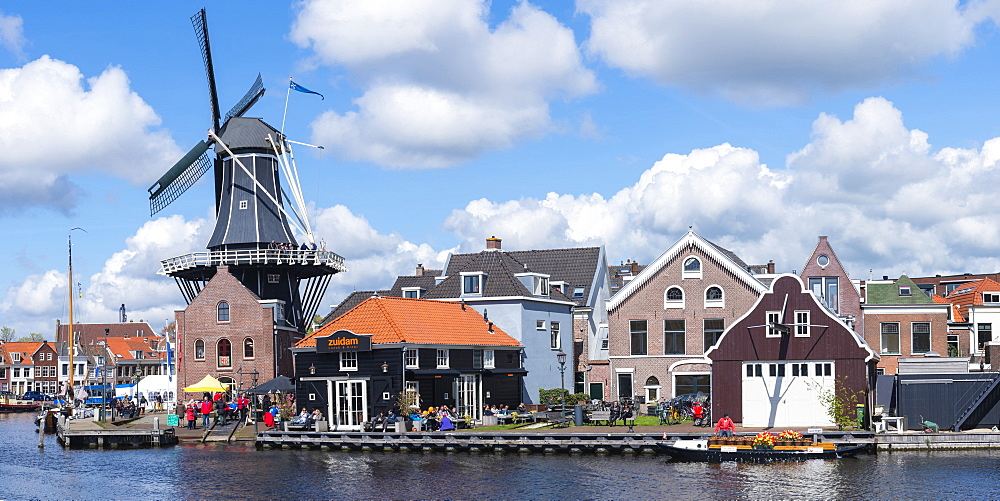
{"x": 765, "y": 447}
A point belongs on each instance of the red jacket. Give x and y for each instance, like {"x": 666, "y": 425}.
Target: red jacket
{"x": 189, "y": 413}
{"x": 206, "y": 406}
{"x": 725, "y": 424}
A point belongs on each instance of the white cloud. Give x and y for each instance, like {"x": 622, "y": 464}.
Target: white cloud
{"x": 440, "y": 85}
{"x": 887, "y": 201}
{"x": 52, "y": 127}
{"x": 12, "y": 34}
{"x": 773, "y": 52}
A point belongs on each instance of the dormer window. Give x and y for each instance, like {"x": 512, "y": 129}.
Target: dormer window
{"x": 472, "y": 283}
{"x": 904, "y": 290}
{"x": 692, "y": 268}
{"x": 578, "y": 291}
{"x": 559, "y": 285}
{"x": 411, "y": 292}
{"x": 537, "y": 283}
{"x": 15, "y": 357}
{"x": 991, "y": 298}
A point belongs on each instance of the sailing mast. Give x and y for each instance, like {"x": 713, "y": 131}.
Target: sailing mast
{"x": 72, "y": 339}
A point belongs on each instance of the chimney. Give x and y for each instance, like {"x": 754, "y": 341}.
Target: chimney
{"x": 770, "y": 267}
{"x": 634, "y": 266}
{"x": 885, "y": 277}
{"x": 420, "y": 270}
{"x": 493, "y": 243}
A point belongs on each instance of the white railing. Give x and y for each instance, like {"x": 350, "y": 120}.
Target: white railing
{"x": 252, "y": 257}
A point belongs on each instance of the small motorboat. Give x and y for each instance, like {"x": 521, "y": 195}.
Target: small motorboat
{"x": 701, "y": 450}
{"x": 9, "y": 403}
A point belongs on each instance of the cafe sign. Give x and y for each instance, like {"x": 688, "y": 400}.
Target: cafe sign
{"x": 343, "y": 341}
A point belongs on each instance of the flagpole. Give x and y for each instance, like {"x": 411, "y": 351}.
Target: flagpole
{"x": 288, "y": 92}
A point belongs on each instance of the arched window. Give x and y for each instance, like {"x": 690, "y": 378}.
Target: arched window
{"x": 692, "y": 268}
{"x": 714, "y": 297}
{"x": 224, "y": 353}
{"x": 652, "y": 381}
{"x": 673, "y": 297}
{"x": 199, "y": 350}
{"x": 248, "y": 348}
{"x": 223, "y": 311}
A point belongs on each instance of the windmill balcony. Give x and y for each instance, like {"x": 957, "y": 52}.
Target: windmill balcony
{"x": 254, "y": 257}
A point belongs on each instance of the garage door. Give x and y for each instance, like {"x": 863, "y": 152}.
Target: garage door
{"x": 786, "y": 394}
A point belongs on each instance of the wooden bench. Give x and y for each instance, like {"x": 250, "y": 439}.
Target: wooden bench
{"x": 596, "y": 416}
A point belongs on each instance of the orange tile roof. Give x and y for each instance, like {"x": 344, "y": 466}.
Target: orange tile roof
{"x": 25, "y": 348}
{"x": 971, "y": 294}
{"x": 124, "y": 346}
{"x": 956, "y": 314}
{"x": 419, "y": 321}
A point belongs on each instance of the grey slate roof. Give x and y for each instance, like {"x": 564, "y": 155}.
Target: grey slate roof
{"x": 241, "y": 133}
{"x": 576, "y": 267}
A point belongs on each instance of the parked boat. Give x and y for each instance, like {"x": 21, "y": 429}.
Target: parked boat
{"x": 701, "y": 450}
{"x": 10, "y": 403}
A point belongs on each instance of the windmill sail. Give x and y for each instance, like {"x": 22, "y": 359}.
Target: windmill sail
{"x": 251, "y": 97}
{"x": 200, "y": 23}
{"x": 187, "y": 171}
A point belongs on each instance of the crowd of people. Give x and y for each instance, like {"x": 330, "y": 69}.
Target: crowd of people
{"x": 215, "y": 409}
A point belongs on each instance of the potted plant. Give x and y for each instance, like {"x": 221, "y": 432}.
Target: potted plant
{"x": 790, "y": 437}
{"x": 764, "y": 440}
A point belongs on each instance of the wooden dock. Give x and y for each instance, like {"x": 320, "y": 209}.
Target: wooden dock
{"x": 85, "y": 433}
{"x": 533, "y": 442}
{"x": 915, "y": 440}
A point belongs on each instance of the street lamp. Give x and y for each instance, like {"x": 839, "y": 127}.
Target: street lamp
{"x": 561, "y": 358}
{"x": 253, "y": 396}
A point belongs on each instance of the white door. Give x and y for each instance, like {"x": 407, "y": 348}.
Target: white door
{"x": 785, "y": 394}
{"x": 467, "y": 402}
{"x": 351, "y": 404}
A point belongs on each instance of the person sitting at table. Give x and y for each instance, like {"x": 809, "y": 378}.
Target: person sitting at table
{"x": 417, "y": 420}
{"x": 521, "y": 408}
{"x": 446, "y": 424}
{"x": 317, "y": 415}
{"x": 430, "y": 419}
{"x": 487, "y": 411}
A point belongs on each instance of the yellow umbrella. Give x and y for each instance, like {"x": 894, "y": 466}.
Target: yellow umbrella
{"x": 209, "y": 383}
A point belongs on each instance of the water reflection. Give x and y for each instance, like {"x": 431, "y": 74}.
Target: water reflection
{"x": 203, "y": 471}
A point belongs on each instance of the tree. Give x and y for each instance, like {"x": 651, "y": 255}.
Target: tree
{"x": 170, "y": 330}
{"x": 840, "y": 402}
{"x": 7, "y": 334}
{"x": 317, "y": 320}
{"x": 33, "y": 337}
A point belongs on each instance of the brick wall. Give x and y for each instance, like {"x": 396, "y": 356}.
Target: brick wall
{"x": 248, "y": 320}
{"x": 890, "y": 362}
{"x": 647, "y": 303}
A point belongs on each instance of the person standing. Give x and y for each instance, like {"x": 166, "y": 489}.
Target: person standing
{"x": 189, "y": 414}
{"x": 206, "y": 413}
{"x": 725, "y": 426}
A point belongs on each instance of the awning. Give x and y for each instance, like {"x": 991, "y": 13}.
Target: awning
{"x": 208, "y": 383}
{"x": 506, "y": 372}
{"x": 280, "y": 384}
{"x": 434, "y": 372}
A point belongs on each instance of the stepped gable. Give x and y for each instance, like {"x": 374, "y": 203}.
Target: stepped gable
{"x": 417, "y": 321}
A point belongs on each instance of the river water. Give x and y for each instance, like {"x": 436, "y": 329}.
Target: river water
{"x": 241, "y": 472}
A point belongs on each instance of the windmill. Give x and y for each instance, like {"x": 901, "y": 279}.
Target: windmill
{"x": 253, "y": 232}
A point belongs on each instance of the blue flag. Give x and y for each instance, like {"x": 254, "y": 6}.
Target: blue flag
{"x": 170, "y": 363}
{"x": 295, "y": 86}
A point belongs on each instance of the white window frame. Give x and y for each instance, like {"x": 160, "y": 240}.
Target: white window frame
{"x": 904, "y": 290}
{"x": 715, "y": 303}
{"x": 773, "y": 317}
{"x": 489, "y": 359}
{"x": 991, "y": 298}
{"x": 881, "y": 339}
{"x": 802, "y": 317}
{"x": 579, "y": 290}
{"x": 480, "y": 281}
{"x": 555, "y": 341}
{"x": 930, "y": 336}
{"x": 685, "y": 273}
{"x": 244, "y": 205}
{"x": 415, "y": 291}
{"x": 412, "y": 358}
{"x": 673, "y": 303}
{"x": 443, "y": 359}
{"x": 348, "y": 361}
{"x": 539, "y": 325}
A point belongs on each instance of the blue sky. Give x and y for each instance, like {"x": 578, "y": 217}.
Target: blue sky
{"x": 548, "y": 124}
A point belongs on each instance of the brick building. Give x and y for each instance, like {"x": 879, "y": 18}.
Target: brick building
{"x": 228, "y": 332}
{"x": 829, "y": 281}
{"x": 901, "y": 321}
{"x": 662, "y": 321}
